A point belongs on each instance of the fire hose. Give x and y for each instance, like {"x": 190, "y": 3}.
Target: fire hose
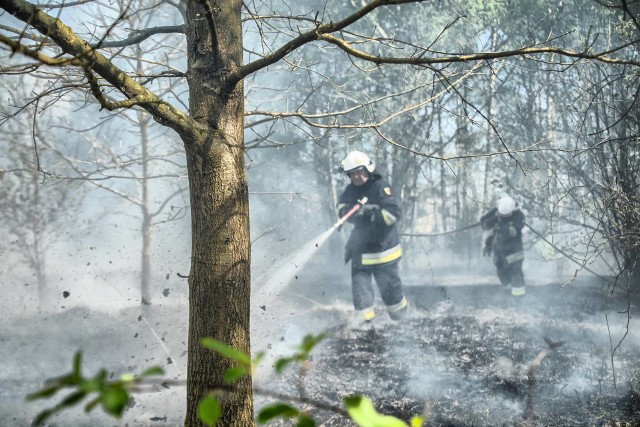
{"x": 442, "y": 233}
{"x": 572, "y": 259}
{"x": 565, "y": 254}
{"x": 360, "y": 203}
{"x": 352, "y": 211}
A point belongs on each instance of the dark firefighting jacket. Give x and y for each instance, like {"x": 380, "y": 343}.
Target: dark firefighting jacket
{"x": 506, "y": 246}
{"x": 374, "y": 239}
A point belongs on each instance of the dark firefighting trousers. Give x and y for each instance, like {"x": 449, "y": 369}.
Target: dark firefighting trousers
{"x": 511, "y": 274}
{"x": 387, "y": 279}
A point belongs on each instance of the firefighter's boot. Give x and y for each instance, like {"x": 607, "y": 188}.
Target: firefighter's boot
{"x": 398, "y": 311}
{"x": 363, "y": 318}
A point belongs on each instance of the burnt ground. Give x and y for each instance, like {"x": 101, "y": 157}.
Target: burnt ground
{"x": 37, "y": 346}
{"x": 460, "y": 359}
{"x": 463, "y": 356}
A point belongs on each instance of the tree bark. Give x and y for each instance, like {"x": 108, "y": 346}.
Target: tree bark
{"x": 219, "y": 281}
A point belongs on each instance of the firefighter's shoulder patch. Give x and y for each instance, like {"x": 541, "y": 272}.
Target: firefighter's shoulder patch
{"x": 387, "y": 191}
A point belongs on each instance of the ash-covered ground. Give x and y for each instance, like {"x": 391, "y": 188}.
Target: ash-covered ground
{"x": 470, "y": 354}
{"x": 460, "y": 359}
{"x": 35, "y": 347}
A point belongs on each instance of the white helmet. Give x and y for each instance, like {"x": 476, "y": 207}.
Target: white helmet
{"x": 356, "y": 160}
{"x": 506, "y": 206}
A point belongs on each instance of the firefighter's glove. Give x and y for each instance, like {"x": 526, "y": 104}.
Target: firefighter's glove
{"x": 366, "y": 213}
{"x": 512, "y": 230}
{"x": 486, "y": 243}
{"x": 486, "y": 250}
{"x": 369, "y": 212}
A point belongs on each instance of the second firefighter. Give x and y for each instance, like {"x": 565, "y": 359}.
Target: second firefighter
{"x": 502, "y": 227}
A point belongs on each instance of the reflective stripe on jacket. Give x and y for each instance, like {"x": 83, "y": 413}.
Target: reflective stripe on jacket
{"x": 374, "y": 239}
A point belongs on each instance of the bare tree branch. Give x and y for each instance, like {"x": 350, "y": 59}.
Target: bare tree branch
{"x": 85, "y": 56}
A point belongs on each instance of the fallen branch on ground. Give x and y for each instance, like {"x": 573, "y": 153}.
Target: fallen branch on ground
{"x": 531, "y": 369}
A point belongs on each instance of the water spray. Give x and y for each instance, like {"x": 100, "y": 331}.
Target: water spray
{"x": 284, "y": 272}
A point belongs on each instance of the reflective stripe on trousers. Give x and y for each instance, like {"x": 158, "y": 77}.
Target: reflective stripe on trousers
{"x": 399, "y": 306}
{"x": 365, "y": 314}
{"x": 387, "y": 280}
{"x": 516, "y": 256}
{"x": 518, "y": 292}
{"x": 382, "y": 257}
{"x": 398, "y": 311}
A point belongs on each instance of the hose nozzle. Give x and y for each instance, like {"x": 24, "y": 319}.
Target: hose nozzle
{"x": 353, "y": 210}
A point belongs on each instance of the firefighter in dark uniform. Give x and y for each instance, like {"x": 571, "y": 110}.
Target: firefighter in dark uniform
{"x": 502, "y": 235}
{"x": 374, "y": 245}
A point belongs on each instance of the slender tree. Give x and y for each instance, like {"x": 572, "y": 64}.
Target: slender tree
{"x": 34, "y": 205}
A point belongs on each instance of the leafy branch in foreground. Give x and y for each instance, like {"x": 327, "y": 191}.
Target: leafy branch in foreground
{"x": 359, "y": 408}
{"x": 111, "y": 395}
{"x": 114, "y": 395}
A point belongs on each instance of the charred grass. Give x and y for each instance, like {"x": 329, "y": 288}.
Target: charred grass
{"x": 477, "y": 357}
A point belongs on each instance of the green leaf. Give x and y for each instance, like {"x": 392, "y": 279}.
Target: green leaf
{"x": 95, "y": 384}
{"x": 226, "y": 350}
{"x": 310, "y": 341}
{"x": 43, "y": 416}
{"x": 101, "y": 376}
{"x": 276, "y": 410}
{"x": 114, "y": 400}
{"x": 77, "y": 362}
{"x": 92, "y": 404}
{"x": 364, "y": 414}
{"x": 92, "y": 385}
{"x": 352, "y": 401}
{"x": 209, "y": 410}
{"x": 305, "y": 421}
{"x": 154, "y": 370}
{"x": 258, "y": 358}
{"x": 61, "y": 381}
{"x": 282, "y": 363}
{"x": 72, "y": 399}
{"x": 44, "y": 393}
{"x": 231, "y": 375}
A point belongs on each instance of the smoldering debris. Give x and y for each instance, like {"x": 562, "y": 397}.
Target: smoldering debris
{"x": 531, "y": 363}
{"x": 462, "y": 358}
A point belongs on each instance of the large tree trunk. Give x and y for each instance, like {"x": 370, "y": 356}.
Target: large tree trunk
{"x": 219, "y": 281}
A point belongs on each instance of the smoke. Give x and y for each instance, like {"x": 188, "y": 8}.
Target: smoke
{"x": 300, "y": 289}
